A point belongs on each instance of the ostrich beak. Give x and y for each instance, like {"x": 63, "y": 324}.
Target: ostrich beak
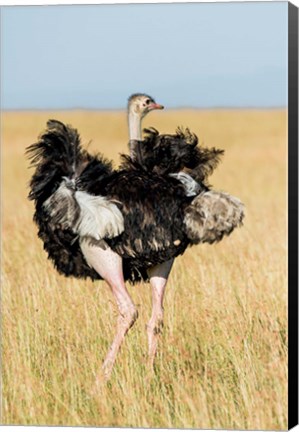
{"x": 156, "y": 106}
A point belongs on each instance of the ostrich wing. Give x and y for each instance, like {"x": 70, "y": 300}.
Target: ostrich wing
{"x": 212, "y": 215}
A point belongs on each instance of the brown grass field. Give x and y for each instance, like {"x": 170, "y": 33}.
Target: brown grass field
{"x": 222, "y": 360}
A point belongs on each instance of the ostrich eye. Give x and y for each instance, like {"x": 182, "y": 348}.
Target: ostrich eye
{"x": 147, "y": 101}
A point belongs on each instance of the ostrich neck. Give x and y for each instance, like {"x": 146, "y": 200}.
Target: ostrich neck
{"x": 134, "y": 127}
{"x": 135, "y": 134}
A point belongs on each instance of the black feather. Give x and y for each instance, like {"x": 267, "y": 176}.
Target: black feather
{"x": 165, "y": 154}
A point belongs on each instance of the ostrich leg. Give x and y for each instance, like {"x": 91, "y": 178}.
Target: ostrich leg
{"x": 158, "y": 279}
{"x": 109, "y": 266}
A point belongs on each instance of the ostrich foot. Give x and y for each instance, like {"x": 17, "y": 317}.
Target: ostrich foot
{"x": 99, "y": 385}
{"x": 124, "y": 323}
{"x": 153, "y": 333}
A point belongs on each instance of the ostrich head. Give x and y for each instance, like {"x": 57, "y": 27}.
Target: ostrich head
{"x": 139, "y": 105}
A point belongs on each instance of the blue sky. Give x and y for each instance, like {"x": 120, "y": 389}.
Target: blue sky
{"x": 197, "y": 55}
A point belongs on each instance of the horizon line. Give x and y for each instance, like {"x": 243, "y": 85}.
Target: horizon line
{"x": 183, "y": 107}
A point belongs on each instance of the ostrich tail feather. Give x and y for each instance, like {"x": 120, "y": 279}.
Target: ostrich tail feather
{"x": 56, "y": 154}
{"x": 63, "y": 188}
{"x": 212, "y": 215}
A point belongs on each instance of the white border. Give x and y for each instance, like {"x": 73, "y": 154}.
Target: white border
{"x": 95, "y": 2}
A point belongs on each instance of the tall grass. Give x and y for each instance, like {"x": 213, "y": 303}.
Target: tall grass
{"x": 222, "y": 360}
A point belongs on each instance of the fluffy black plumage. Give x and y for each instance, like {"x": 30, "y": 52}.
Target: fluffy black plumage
{"x": 165, "y": 154}
{"x": 152, "y": 207}
{"x": 153, "y": 204}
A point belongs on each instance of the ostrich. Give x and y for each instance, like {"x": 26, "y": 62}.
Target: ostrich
{"x": 130, "y": 223}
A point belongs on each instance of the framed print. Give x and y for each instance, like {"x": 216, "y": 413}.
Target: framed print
{"x": 150, "y": 215}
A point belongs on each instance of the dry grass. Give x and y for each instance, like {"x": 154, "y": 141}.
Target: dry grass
{"x": 222, "y": 361}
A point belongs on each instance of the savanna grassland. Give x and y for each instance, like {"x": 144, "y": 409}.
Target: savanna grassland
{"x": 222, "y": 360}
